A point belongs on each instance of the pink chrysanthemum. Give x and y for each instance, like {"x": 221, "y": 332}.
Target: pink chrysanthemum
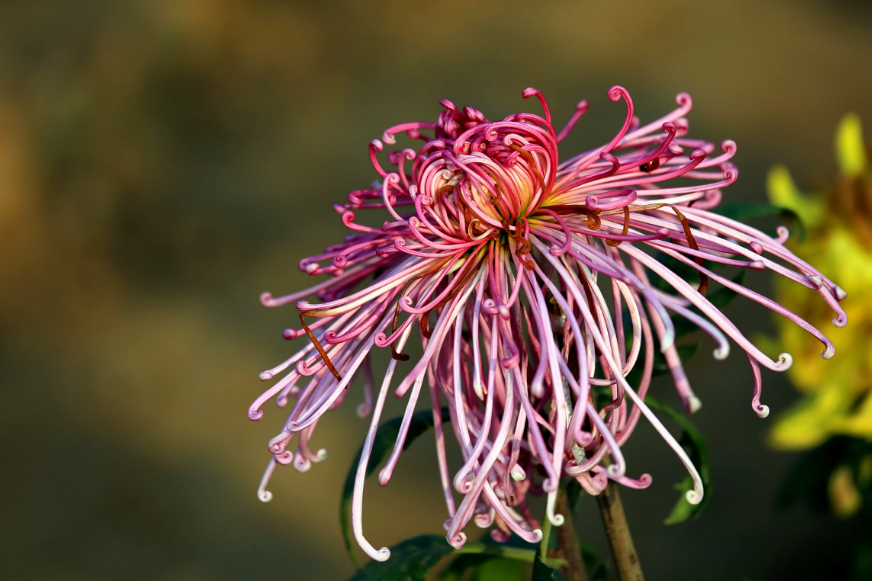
{"x": 494, "y": 257}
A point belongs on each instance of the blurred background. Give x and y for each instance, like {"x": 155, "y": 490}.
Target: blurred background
{"x": 163, "y": 162}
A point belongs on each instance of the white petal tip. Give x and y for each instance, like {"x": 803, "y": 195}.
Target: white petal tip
{"x": 693, "y": 403}
{"x": 785, "y": 360}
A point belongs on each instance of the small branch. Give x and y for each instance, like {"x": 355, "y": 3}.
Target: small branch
{"x": 618, "y": 531}
{"x": 567, "y": 541}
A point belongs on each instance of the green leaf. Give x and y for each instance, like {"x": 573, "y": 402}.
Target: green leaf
{"x": 692, "y": 441}
{"x": 462, "y": 564}
{"x": 474, "y": 554}
{"x": 411, "y": 560}
{"x": 541, "y": 571}
{"x": 501, "y": 570}
{"x": 744, "y": 211}
{"x": 385, "y": 439}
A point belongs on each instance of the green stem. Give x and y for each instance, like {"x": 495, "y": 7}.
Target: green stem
{"x": 546, "y": 535}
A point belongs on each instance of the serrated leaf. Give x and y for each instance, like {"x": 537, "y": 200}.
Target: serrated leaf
{"x": 411, "y": 560}
{"x": 691, "y": 440}
{"x": 744, "y": 211}
{"x": 385, "y": 439}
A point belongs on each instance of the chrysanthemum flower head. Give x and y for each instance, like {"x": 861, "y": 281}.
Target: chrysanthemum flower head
{"x": 535, "y": 287}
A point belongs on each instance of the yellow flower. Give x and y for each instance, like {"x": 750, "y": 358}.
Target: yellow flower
{"x": 839, "y": 243}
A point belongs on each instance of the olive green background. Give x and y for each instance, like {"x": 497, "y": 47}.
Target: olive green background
{"x": 162, "y": 162}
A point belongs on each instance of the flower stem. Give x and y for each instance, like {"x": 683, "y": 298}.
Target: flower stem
{"x": 567, "y": 541}
{"x": 546, "y": 536}
{"x": 618, "y": 531}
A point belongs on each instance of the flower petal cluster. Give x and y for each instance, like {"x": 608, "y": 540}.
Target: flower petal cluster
{"x": 535, "y": 287}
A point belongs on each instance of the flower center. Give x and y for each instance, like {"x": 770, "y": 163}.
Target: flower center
{"x": 479, "y": 175}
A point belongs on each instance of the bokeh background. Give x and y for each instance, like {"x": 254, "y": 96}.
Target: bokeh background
{"x": 162, "y": 162}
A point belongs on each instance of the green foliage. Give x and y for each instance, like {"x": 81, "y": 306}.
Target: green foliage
{"x": 384, "y": 441}
{"x": 541, "y": 571}
{"x": 692, "y": 441}
{"x": 463, "y": 563}
{"x": 411, "y": 560}
{"x": 501, "y": 570}
{"x": 478, "y": 556}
